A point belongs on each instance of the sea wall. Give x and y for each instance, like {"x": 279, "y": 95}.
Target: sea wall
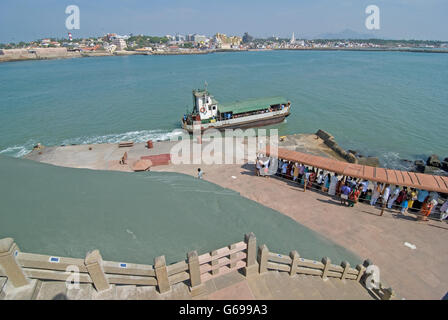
{"x": 349, "y": 156}
{"x": 36, "y": 54}
{"x": 333, "y": 145}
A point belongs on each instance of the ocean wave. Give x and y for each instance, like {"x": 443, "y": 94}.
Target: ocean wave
{"x": 136, "y": 136}
{"x": 19, "y": 151}
{"x": 393, "y": 160}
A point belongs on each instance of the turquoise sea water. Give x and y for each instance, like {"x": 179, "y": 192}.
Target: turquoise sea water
{"x": 387, "y": 104}
{"x": 134, "y": 217}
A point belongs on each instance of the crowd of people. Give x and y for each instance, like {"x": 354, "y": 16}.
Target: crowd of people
{"x": 353, "y": 190}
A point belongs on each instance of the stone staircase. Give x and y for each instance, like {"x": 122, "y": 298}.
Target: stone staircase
{"x": 273, "y": 285}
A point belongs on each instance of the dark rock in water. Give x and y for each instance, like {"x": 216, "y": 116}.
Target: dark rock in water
{"x": 433, "y": 161}
{"x": 405, "y": 161}
{"x": 419, "y": 165}
{"x": 445, "y": 165}
{"x": 446, "y": 159}
{"x": 431, "y": 170}
{"x": 350, "y": 158}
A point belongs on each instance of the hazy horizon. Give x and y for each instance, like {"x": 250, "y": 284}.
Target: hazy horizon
{"x": 28, "y": 20}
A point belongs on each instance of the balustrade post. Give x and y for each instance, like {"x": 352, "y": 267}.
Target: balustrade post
{"x": 251, "y": 255}
{"x": 94, "y": 265}
{"x": 9, "y": 264}
{"x": 361, "y": 270}
{"x": 197, "y": 287}
{"x": 161, "y": 272}
{"x": 214, "y": 262}
{"x": 294, "y": 263}
{"x": 232, "y": 256}
{"x": 327, "y": 262}
{"x": 346, "y": 267}
{"x": 263, "y": 255}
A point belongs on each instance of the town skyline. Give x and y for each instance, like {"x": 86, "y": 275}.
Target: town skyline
{"x": 26, "y": 20}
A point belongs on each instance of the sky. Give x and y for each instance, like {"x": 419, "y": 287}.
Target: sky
{"x": 26, "y": 20}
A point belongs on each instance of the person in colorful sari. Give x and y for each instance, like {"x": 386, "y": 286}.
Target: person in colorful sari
{"x": 404, "y": 205}
{"x": 401, "y": 195}
{"x": 412, "y": 196}
{"x": 354, "y": 196}
{"x": 426, "y": 209}
{"x": 311, "y": 179}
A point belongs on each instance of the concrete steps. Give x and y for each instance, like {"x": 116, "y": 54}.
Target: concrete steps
{"x": 273, "y": 285}
{"x": 27, "y": 292}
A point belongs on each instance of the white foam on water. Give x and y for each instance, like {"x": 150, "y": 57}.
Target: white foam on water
{"x": 136, "y": 136}
{"x": 19, "y": 151}
{"x": 16, "y": 151}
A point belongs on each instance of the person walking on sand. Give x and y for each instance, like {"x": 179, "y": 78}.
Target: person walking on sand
{"x": 200, "y": 173}
{"x": 332, "y": 189}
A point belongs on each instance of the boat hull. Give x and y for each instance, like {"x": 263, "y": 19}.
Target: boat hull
{"x": 244, "y": 122}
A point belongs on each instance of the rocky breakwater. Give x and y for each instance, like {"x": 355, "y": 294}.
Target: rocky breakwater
{"x": 433, "y": 165}
{"x": 349, "y": 156}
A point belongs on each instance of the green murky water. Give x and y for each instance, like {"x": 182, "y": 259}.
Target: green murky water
{"x": 134, "y": 217}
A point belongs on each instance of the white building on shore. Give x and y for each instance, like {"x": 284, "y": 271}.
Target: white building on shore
{"x": 120, "y": 44}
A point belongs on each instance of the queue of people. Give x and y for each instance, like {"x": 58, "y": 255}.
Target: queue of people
{"x": 353, "y": 190}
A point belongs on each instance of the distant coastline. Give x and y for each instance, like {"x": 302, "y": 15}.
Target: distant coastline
{"x": 42, "y": 55}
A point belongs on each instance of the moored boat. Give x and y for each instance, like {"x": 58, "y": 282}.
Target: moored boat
{"x": 208, "y": 113}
